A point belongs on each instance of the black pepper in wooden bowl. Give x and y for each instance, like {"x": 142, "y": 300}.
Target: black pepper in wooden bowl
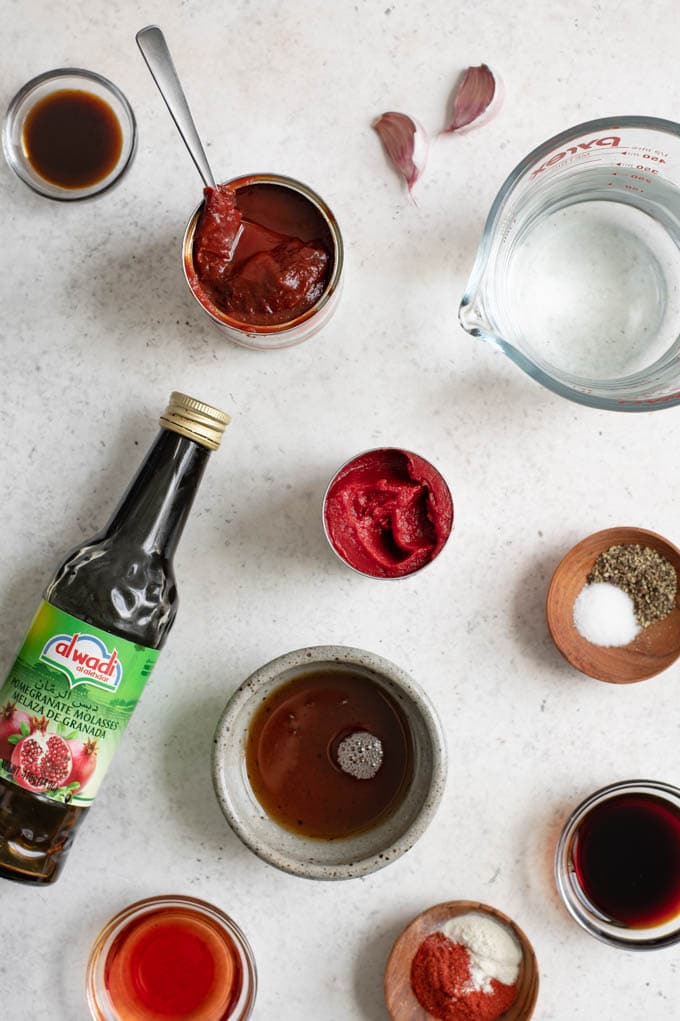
{"x": 648, "y": 578}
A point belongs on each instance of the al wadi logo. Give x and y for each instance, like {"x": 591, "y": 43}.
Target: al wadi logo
{"x": 84, "y": 659}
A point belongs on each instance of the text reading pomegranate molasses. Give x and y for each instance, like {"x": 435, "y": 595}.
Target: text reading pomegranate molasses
{"x": 173, "y": 963}
{"x": 627, "y": 860}
{"x": 72, "y": 138}
{"x": 329, "y": 754}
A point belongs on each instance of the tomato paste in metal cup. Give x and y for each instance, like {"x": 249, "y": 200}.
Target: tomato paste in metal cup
{"x": 263, "y": 256}
{"x": 387, "y": 513}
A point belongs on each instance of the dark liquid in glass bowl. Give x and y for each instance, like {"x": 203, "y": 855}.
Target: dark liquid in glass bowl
{"x": 72, "y": 138}
{"x": 627, "y": 860}
{"x": 291, "y": 754}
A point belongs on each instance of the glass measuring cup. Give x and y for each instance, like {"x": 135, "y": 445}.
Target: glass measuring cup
{"x": 577, "y": 277}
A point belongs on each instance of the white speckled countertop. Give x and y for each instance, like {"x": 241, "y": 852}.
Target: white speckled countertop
{"x": 97, "y": 328}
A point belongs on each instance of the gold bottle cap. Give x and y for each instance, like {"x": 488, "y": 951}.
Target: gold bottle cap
{"x": 192, "y": 418}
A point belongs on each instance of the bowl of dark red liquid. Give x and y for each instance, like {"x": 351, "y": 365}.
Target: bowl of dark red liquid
{"x": 617, "y": 864}
{"x": 171, "y": 957}
{"x": 69, "y": 134}
{"x": 263, "y": 257}
{"x": 329, "y": 762}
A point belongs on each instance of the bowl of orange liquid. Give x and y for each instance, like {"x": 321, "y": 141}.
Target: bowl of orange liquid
{"x": 171, "y": 957}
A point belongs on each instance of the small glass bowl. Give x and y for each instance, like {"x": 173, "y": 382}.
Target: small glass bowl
{"x": 98, "y": 998}
{"x": 575, "y": 900}
{"x": 44, "y": 85}
{"x": 341, "y": 558}
{"x": 267, "y": 338}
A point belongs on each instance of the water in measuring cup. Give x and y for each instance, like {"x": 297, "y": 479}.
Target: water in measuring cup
{"x": 594, "y": 286}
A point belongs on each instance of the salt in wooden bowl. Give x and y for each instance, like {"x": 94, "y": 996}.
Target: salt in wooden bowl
{"x": 399, "y": 997}
{"x": 653, "y": 649}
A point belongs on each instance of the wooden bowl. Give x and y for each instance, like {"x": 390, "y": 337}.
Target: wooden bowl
{"x": 654, "y": 649}
{"x": 401, "y": 1002}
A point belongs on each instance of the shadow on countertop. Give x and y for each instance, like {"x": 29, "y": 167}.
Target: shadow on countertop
{"x": 370, "y": 969}
{"x": 529, "y": 618}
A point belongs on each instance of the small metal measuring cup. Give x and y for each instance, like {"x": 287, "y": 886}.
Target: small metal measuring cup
{"x": 577, "y": 276}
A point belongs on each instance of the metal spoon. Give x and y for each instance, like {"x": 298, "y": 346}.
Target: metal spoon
{"x": 154, "y": 49}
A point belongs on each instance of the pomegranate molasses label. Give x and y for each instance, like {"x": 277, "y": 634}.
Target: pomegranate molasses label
{"x": 65, "y": 705}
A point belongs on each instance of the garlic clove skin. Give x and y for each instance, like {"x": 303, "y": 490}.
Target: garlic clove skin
{"x": 406, "y": 143}
{"x": 476, "y": 99}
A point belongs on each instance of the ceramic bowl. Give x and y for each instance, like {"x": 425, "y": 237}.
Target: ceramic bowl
{"x": 399, "y": 997}
{"x": 654, "y": 649}
{"x": 352, "y": 856}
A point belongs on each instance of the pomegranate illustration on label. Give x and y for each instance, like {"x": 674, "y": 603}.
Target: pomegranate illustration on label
{"x": 11, "y": 719}
{"x": 84, "y": 763}
{"x": 41, "y": 761}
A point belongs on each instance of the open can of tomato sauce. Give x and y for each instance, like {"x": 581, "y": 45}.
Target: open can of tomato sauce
{"x": 280, "y": 217}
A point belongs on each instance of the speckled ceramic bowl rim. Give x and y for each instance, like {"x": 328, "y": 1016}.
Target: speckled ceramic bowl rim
{"x": 367, "y": 574}
{"x": 342, "y": 655}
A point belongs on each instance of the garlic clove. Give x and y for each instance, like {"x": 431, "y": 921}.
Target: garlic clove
{"x": 406, "y": 144}
{"x": 476, "y": 99}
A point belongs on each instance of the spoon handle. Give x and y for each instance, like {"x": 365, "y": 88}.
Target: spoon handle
{"x": 154, "y": 48}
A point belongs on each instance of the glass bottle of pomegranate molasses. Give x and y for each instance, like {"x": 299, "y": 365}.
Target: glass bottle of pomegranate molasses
{"x": 91, "y": 648}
